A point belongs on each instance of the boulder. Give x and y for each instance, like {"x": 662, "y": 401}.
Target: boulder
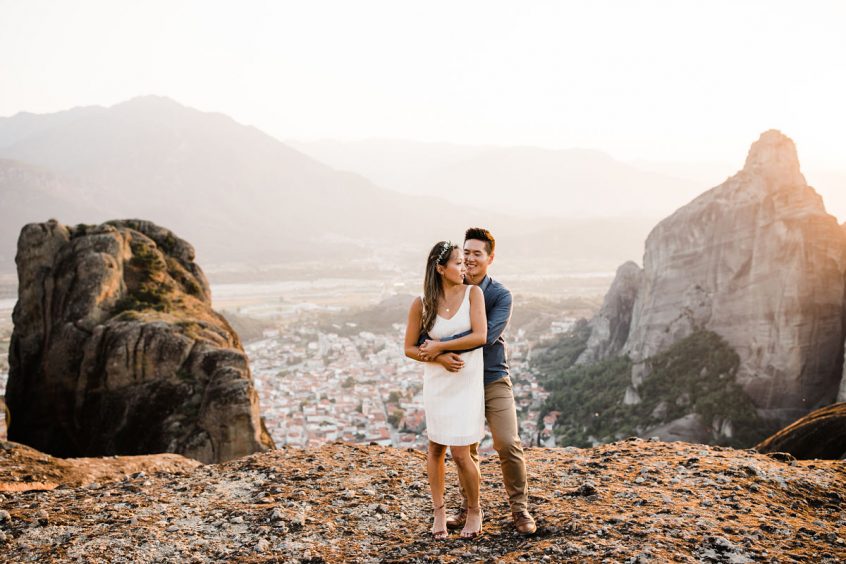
{"x": 116, "y": 349}
{"x": 820, "y": 434}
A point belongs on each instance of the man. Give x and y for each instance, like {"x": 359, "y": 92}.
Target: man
{"x": 500, "y": 409}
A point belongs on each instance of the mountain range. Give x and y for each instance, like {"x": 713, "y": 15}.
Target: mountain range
{"x": 230, "y": 187}
{"x": 241, "y": 195}
{"x": 528, "y": 181}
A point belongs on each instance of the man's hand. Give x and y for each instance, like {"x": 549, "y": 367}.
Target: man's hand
{"x": 429, "y": 350}
{"x": 451, "y": 361}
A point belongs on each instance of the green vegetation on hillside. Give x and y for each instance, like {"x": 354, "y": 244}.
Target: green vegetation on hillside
{"x": 695, "y": 375}
{"x": 146, "y": 285}
{"x": 562, "y": 352}
{"x": 590, "y": 401}
{"x": 153, "y": 280}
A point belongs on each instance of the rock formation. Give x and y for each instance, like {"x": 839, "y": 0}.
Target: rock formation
{"x": 25, "y": 469}
{"x": 820, "y": 434}
{"x": 610, "y": 326}
{"x": 116, "y": 349}
{"x": 758, "y": 261}
{"x": 630, "y": 501}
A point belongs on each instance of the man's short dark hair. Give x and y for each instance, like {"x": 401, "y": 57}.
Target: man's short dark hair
{"x": 481, "y": 234}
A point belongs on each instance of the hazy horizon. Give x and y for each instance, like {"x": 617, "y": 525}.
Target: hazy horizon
{"x": 608, "y": 109}
{"x": 661, "y": 80}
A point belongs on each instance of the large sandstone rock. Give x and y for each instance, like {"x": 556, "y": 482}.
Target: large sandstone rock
{"x": 820, "y": 434}
{"x": 116, "y": 349}
{"x": 610, "y": 326}
{"x": 758, "y": 261}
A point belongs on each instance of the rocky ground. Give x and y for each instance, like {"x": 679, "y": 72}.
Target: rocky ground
{"x": 25, "y": 469}
{"x": 631, "y": 501}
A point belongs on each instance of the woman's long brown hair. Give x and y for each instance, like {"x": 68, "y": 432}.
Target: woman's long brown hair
{"x": 432, "y": 284}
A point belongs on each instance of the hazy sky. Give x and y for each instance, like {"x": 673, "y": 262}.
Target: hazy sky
{"x": 674, "y": 80}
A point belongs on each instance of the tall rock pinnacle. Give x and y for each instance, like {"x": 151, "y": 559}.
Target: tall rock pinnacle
{"x": 758, "y": 261}
{"x": 773, "y": 156}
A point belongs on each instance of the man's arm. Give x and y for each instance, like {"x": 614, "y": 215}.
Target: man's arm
{"x": 499, "y": 317}
{"x": 424, "y": 336}
{"x": 478, "y": 328}
{"x": 497, "y": 321}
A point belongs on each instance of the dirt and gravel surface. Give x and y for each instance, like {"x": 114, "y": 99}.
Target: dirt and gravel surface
{"x": 630, "y": 501}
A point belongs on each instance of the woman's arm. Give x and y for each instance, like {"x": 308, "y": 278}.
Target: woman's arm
{"x": 412, "y": 329}
{"x": 451, "y": 362}
{"x": 478, "y": 329}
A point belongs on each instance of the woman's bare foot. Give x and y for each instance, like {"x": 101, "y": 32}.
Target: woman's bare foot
{"x": 439, "y": 529}
{"x": 473, "y": 525}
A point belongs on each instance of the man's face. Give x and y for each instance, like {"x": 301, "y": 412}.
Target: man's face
{"x": 476, "y": 258}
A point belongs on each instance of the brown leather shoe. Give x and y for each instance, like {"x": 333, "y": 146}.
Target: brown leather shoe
{"x": 457, "y": 520}
{"x": 524, "y": 522}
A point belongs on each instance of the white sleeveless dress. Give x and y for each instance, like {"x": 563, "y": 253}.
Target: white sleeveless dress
{"x": 455, "y": 401}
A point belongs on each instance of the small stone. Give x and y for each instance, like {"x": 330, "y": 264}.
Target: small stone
{"x": 4, "y": 516}
{"x": 782, "y": 457}
{"x": 237, "y": 520}
{"x": 586, "y": 489}
{"x": 42, "y": 517}
{"x": 640, "y": 480}
{"x": 277, "y": 515}
{"x": 368, "y": 491}
{"x": 172, "y": 529}
{"x": 721, "y": 544}
{"x": 262, "y": 545}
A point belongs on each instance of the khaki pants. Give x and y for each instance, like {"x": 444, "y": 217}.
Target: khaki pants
{"x": 501, "y": 415}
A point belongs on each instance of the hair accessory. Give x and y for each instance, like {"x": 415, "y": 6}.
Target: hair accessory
{"x": 447, "y": 245}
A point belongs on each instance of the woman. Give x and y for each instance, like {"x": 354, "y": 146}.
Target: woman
{"x": 454, "y": 401}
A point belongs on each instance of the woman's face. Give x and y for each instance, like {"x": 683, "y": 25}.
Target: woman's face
{"x": 454, "y": 269}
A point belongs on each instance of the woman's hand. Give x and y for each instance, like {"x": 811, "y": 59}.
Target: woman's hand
{"x": 430, "y": 349}
{"x": 451, "y": 361}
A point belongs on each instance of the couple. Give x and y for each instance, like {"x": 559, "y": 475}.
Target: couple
{"x": 456, "y": 329}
